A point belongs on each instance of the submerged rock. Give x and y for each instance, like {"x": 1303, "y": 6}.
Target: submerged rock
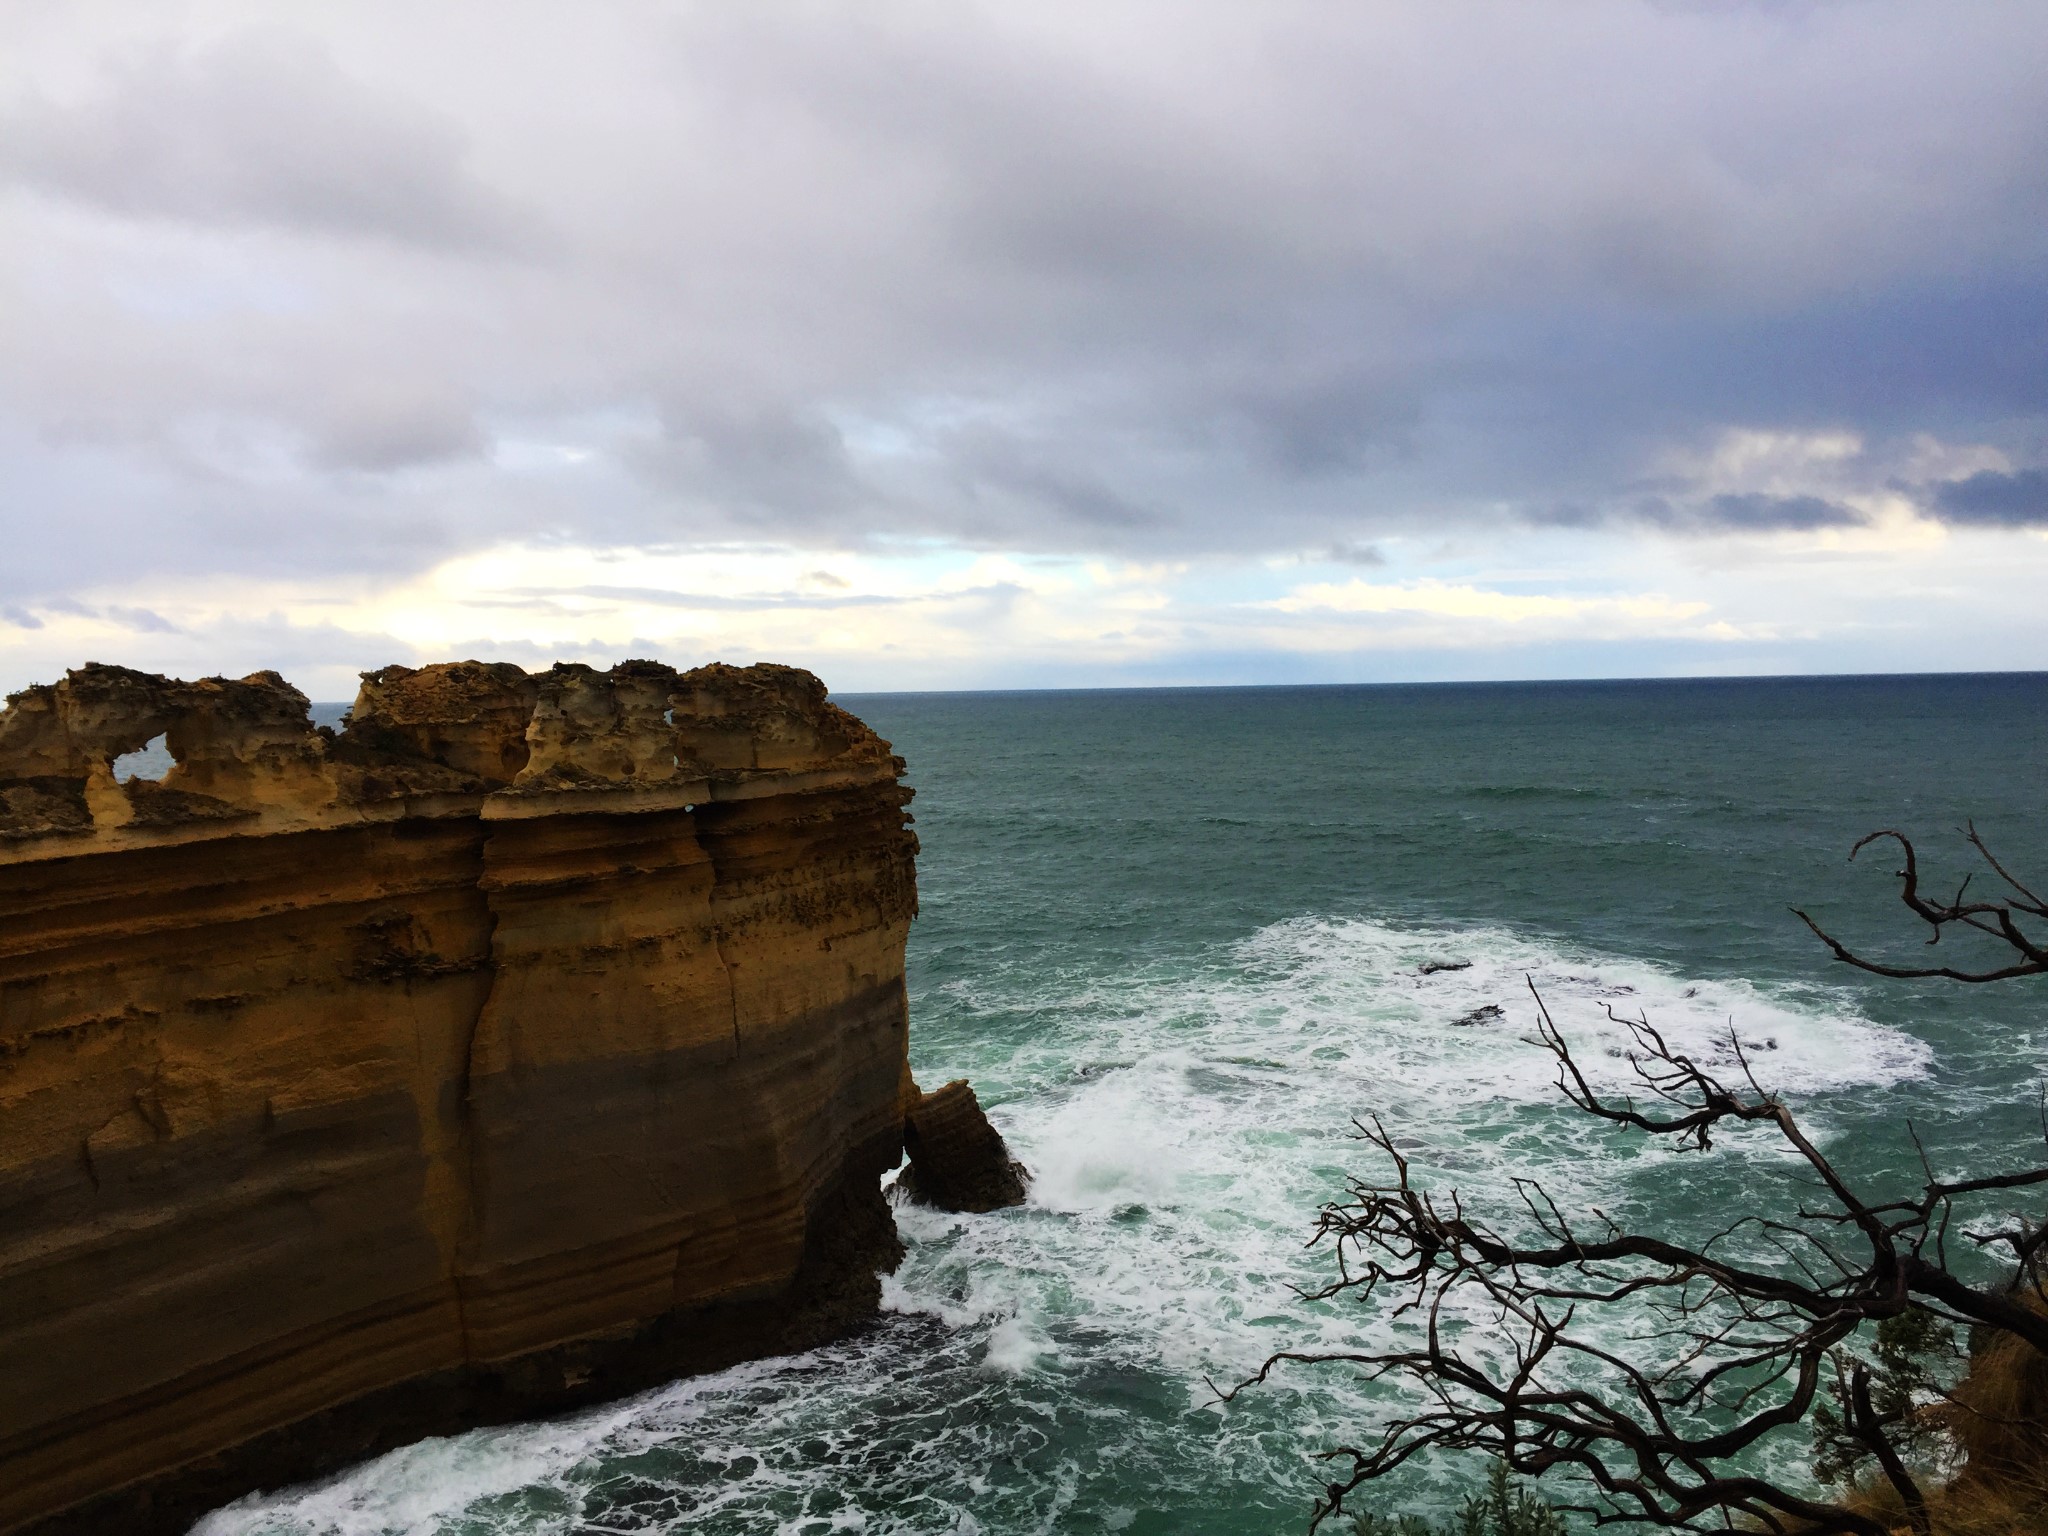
{"x": 958, "y": 1161}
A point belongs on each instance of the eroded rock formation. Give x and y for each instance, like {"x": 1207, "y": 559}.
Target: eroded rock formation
{"x": 530, "y": 1039}
{"x": 958, "y": 1161}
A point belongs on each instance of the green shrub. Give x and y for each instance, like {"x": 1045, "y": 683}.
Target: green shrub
{"x": 1506, "y": 1508}
{"x": 1908, "y": 1374}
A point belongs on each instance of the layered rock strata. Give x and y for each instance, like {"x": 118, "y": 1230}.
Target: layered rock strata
{"x": 958, "y": 1161}
{"x": 528, "y": 1039}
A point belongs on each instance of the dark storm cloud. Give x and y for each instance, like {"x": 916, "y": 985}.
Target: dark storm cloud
{"x": 1992, "y": 500}
{"x": 1768, "y": 513}
{"x": 1755, "y": 512}
{"x": 351, "y": 289}
{"x": 1729, "y": 512}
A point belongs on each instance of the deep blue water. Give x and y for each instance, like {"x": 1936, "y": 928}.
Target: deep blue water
{"x": 1175, "y": 938}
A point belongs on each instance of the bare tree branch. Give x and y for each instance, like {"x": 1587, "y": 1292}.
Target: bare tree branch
{"x": 1999, "y": 920}
{"x": 1739, "y": 1331}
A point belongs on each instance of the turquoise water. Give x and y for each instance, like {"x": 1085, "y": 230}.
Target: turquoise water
{"x": 1175, "y": 938}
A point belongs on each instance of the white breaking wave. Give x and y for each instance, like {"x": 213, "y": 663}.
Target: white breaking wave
{"x": 1183, "y": 1127}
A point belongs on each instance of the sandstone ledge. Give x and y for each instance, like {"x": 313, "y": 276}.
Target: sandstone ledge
{"x": 529, "y": 1040}
{"x": 458, "y": 740}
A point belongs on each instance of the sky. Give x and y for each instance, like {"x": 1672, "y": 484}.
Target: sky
{"x": 963, "y": 345}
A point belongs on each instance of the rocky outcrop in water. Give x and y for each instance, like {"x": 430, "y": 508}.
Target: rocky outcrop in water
{"x": 958, "y": 1161}
{"x": 530, "y": 1039}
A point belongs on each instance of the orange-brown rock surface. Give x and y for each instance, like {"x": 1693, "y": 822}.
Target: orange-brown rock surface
{"x": 531, "y": 1038}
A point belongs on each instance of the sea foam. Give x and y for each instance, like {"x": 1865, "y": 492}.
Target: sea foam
{"x": 1183, "y": 1122}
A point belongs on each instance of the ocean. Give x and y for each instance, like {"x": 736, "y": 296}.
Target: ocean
{"x": 1177, "y": 940}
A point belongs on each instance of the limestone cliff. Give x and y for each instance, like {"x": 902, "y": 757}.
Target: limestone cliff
{"x": 528, "y": 1039}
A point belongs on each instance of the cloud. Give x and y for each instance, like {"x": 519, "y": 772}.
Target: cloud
{"x": 332, "y": 298}
{"x": 762, "y": 463}
{"x": 719, "y": 601}
{"x": 930, "y": 618}
{"x": 141, "y": 621}
{"x": 392, "y": 427}
{"x": 1755, "y": 512}
{"x": 1989, "y": 499}
{"x": 261, "y": 127}
{"x": 1728, "y": 512}
{"x": 1350, "y": 553}
{"x": 1030, "y": 480}
{"x": 1481, "y": 605}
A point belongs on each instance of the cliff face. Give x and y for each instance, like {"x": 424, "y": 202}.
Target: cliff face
{"x": 533, "y": 1038}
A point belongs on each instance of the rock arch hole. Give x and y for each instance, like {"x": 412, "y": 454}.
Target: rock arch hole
{"x": 151, "y": 761}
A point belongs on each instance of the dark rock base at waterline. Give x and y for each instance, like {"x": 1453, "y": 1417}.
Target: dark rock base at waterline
{"x": 836, "y": 1292}
{"x": 958, "y": 1161}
